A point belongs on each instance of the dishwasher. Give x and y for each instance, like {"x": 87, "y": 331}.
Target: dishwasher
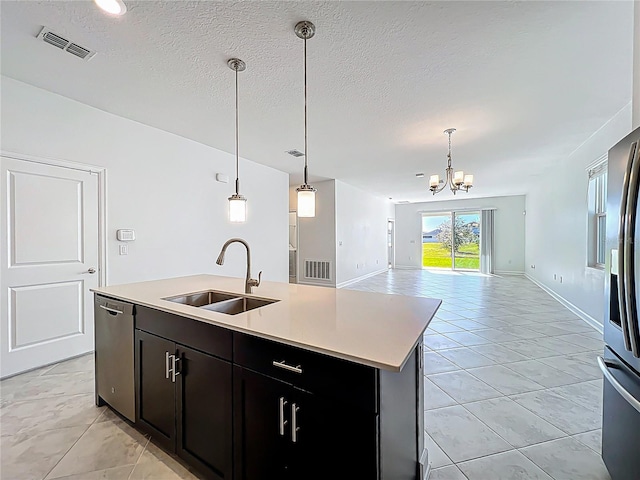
{"x": 114, "y": 355}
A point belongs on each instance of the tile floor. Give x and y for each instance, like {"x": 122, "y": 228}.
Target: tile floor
{"x": 512, "y": 391}
{"x": 512, "y": 388}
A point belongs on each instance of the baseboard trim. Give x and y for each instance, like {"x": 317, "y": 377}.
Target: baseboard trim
{"x": 588, "y": 319}
{"x": 508, "y": 272}
{"x": 313, "y": 284}
{"x": 361, "y": 277}
{"x": 406, "y": 267}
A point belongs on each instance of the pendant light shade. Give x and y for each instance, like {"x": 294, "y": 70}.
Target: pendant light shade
{"x": 237, "y": 202}
{"x": 306, "y": 193}
{"x": 237, "y": 208}
{"x": 306, "y": 201}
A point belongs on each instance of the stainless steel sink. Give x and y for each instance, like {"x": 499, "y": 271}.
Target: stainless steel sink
{"x": 239, "y": 305}
{"x": 200, "y": 299}
{"x": 222, "y": 302}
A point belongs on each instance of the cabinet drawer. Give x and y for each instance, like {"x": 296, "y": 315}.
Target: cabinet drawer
{"x": 314, "y": 372}
{"x": 198, "y": 335}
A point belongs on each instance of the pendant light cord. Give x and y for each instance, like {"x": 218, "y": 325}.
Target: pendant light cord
{"x": 237, "y": 158}
{"x": 305, "y": 113}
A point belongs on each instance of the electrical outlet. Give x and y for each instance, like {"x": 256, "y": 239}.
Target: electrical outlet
{"x": 124, "y": 249}
{"x": 555, "y": 277}
{"x": 533, "y": 266}
{"x": 560, "y": 278}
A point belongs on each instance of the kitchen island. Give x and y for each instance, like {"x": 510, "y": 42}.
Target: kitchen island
{"x": 290, "y": 381}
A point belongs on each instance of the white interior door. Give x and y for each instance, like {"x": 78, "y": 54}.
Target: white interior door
{"x": 49, "y": 261}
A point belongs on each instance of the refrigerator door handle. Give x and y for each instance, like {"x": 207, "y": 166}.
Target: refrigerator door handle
{"x": 622, "y": 296}
{"x": 629, "y": 253}
{"x": 604, "y": 366}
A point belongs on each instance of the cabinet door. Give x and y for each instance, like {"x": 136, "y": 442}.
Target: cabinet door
{"x": 261, "y": 409}
{"x": 204, "y": 410}
{"x": 346, "y": 435}
{"x": 155, "y": 393}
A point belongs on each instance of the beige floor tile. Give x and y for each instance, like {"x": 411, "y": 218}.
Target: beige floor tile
{"x": 31, "y": 457}
{"x": 567, "y": 459}
{"x": 49, "y": 413}
{"x": 117, "y": 473}
{"x": 155, "y": 464}
{"x": 105, "y": 445}
{"x": 85, "y": 363}
{"x": 503, "y": 466}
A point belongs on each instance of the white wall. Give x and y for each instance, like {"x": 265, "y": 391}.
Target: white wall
{"x": 361, "y": 232}
{"x": 317, "y": 235}
{"x": 349, "y": 230}
{"x": 159, "y": 184}
{"x": 556, "y": 219}
{"x": 509, "y": 232}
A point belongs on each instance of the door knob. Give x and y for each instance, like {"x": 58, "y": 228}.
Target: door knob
{"x": 91, "y": 270}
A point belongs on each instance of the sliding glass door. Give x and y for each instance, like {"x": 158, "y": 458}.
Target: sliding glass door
{"x": 451, "y": 240}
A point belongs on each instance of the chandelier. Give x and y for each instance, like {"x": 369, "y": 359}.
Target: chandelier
{"x": 456, "y": 180}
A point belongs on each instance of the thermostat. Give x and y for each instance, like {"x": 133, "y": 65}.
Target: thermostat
{"x": 125, "y": 235}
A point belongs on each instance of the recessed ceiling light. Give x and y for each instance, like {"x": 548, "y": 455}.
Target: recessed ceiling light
{"x": 112, "y": 7}
{"x": 420, "y": 175}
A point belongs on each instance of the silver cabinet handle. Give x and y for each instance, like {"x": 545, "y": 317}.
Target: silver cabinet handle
{"x": 291, "y": 368}
{"x": 294, "y": 422}
{"x": 615, "y": 384}
{"x": 167, "y": 362}
{"x": 282, "y": 402}
{"x": 109, "y": 309}
{"x": 174, "y": 370}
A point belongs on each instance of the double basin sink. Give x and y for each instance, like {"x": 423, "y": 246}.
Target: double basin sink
{"x": 222, "y": 302}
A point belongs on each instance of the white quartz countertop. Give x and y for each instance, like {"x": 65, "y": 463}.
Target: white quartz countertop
{"x": 375, "y": 329}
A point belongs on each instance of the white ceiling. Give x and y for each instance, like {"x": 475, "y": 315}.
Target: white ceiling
{"x": 525, "y": 83}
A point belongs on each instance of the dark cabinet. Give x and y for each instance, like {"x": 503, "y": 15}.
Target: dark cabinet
{"x": 261, "y": 438}
{"x": 185, "y": 402}
{"x": 155, "y": 392}
{"x": 236, "y": 406}
{"x": 291, "y": 424}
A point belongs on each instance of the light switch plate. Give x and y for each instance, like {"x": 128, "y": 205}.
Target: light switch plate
{"x": 125, "y": 235}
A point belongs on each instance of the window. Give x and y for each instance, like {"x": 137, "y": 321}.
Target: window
{"x": 597, "y": 228}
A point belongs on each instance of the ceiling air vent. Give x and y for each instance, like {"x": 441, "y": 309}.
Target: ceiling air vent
{"x": 295, "y": 153}
{"x": 47, "y": 36}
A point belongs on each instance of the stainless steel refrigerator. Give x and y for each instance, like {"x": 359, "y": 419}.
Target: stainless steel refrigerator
{"x": 620, "y": 363}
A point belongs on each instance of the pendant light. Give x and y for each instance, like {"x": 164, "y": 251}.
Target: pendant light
{"x": 306, "y": 193}
{"x": 237, "y": 202}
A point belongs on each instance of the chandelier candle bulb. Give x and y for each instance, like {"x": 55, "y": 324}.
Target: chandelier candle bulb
{"x": 434, "y": 180}
{"x": 458, "y": 177}
{"x": 468, "y": 180}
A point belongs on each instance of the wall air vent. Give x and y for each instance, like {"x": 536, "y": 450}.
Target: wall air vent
{"x": 317, "y": 269}
{"x": 295, "y": 153}
{"x": 57, "y": 40}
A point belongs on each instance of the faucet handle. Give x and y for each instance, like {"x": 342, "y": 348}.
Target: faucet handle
{"x": 255, "y": 283}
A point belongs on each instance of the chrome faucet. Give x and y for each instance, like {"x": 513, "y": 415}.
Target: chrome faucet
{"x": 249, "y": 282}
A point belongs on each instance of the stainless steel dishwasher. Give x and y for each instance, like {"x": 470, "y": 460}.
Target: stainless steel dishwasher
{"x": 114, "y": 355}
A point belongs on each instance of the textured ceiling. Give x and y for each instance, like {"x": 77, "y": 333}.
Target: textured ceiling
{"x": 525, "y": 83}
